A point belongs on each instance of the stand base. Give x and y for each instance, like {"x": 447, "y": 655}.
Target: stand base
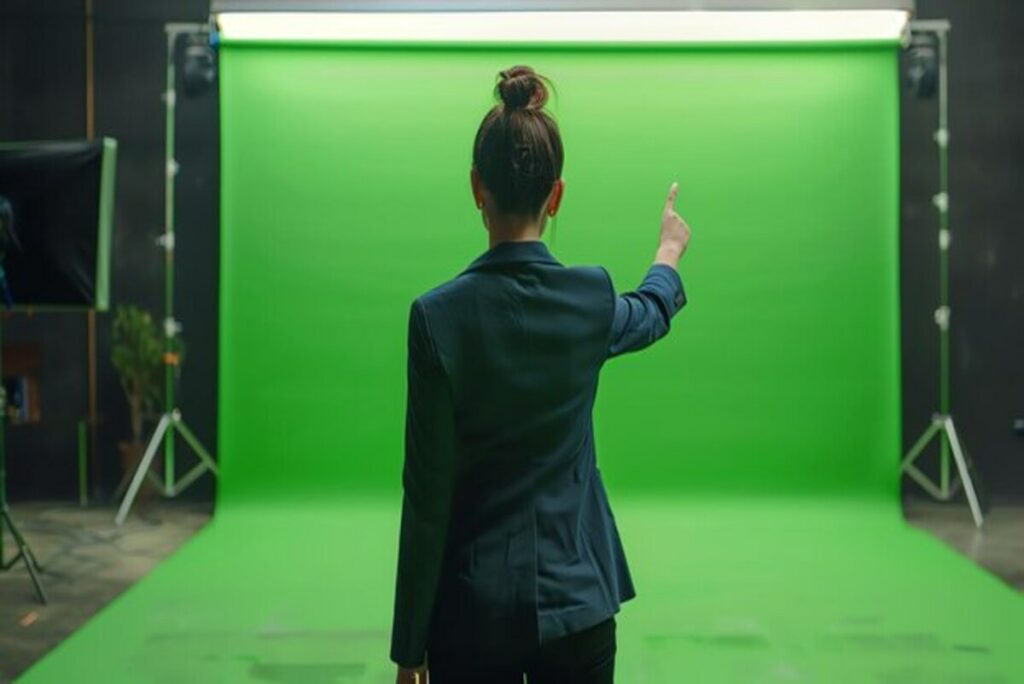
{"x": 942, "y": 428}
{"x": 169, "y": 421}
{"x": 24, "y": 553}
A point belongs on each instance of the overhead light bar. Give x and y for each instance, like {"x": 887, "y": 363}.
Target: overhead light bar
{"x": 626, "y": 27}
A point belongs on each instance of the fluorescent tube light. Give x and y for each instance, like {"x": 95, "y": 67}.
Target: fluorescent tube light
{"x": 682, "y": 27}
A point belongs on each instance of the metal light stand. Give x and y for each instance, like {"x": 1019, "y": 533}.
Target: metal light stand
{"x": 942, "y": 427}
{"x": 171, "y": 421}
{"x": 24, "y": 551}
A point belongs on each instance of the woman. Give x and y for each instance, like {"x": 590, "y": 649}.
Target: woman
{"x": 510, "y": 563}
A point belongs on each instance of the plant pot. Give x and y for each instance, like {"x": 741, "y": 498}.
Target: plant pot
{"x": 130, "y": 454}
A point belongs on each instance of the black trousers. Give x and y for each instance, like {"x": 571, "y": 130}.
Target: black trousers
{"x": 586, "y": 657}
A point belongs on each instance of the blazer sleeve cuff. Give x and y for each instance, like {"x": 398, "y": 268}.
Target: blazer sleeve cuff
{"x": 404, "y": 657}
{"x": 669, "y": 285}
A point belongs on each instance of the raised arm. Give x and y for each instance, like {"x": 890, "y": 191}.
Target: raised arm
{"x": 644, "y": 316}
{"x": 428, "y": 480}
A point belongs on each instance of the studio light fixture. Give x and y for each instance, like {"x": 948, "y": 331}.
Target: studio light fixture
{"x": 568, "y": 27}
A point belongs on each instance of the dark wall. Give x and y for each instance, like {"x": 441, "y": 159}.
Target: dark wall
{"x": 42, "y": 96}
{"x": 987, "y": 251}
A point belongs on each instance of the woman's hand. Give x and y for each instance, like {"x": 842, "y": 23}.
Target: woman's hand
{"x": 675, "y": 234}
{"x": 412, "y": 675}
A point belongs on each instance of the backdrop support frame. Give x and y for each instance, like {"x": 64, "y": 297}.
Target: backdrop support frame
{"x": 171, "y": 421}
{"x": 942, "y": 426}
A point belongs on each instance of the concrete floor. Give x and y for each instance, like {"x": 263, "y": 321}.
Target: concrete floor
{"x": 999, "y": 547}
{"x": 89, "y": 561}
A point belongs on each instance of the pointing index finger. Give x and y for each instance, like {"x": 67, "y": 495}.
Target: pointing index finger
{"x": 671, "y": 201}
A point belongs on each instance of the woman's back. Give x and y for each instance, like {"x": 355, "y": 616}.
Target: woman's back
{"x": 521, "y": 339}
{"x": 521, "y": 342}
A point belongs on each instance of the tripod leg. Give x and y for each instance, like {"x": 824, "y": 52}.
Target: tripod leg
{"x": 31, "y": 555}
{"x": 921, "y": 479}
{"x": 140, "y": 473}
{"x": 23, "y": 547}
{"x": 961, "y": 464}
{"x": 197, "y": 446}
{"x": 912, "y": 471}
{"x": 26, "y": 555}
{"x": 5, "y": 564}
{"x": 189, "y": 477}
{"x": 921, "y": 443}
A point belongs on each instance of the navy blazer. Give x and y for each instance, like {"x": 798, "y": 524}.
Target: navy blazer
{"x": 507, "y": 539}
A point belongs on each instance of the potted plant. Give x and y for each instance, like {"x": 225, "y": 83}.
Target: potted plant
{"x": 136, "y": 354}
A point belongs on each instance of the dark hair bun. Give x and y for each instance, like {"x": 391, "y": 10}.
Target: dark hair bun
{"x": 521, "y": 88}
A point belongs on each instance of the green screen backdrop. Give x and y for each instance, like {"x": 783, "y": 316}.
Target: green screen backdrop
{"x": 752, "y": 457}
{"x": 346, "y": 194}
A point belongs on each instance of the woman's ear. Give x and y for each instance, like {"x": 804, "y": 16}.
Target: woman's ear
{"x": 557, "y": 190}
{"x": 478, "y": 188}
